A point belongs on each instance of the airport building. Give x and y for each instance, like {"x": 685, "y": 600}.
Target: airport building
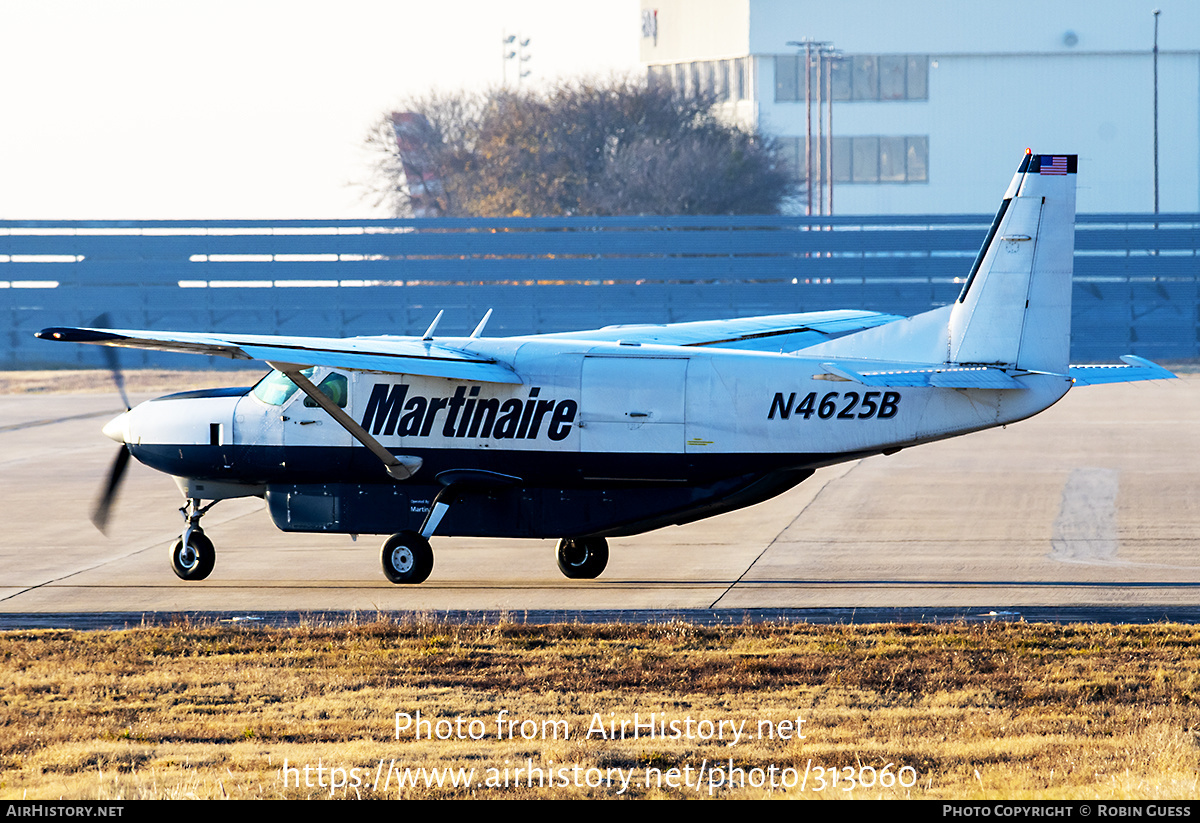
{"x": 933, "y": 102}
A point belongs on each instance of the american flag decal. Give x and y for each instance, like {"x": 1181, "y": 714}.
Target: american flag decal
{"x": 1052, "y": 164}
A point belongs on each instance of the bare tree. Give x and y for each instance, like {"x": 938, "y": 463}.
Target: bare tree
{"x": 581, "y": 148}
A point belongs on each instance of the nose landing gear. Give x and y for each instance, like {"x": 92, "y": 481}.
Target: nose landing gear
{"x": 193, "y": 555}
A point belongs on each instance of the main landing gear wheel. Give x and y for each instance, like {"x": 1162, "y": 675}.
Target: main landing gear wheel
{"x": 582, "y": 558}
{"x": 407, "y": 558}
{"x": 196, "y": 561}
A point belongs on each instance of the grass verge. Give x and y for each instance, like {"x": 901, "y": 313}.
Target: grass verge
{"x": 429, "y": 709}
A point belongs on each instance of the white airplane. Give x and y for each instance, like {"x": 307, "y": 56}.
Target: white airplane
{"x": 593, "y": 434}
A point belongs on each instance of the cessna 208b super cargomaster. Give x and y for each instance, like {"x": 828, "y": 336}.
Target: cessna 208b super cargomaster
{"x": 592, "y": 434}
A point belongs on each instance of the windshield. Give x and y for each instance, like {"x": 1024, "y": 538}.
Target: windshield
{"x": 276, "y": 388}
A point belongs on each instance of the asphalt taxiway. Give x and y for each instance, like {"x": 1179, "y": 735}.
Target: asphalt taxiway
{"x": 1095, "y": 502}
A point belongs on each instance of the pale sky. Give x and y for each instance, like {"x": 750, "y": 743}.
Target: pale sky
{"x": 143, "y": 109}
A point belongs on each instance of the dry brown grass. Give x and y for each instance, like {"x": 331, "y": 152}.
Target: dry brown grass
{"x": 99, "y": 381}
{"x": 985, "y": 711}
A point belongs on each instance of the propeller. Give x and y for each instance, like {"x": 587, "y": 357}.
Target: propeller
{"x": 113, "y": 361}
{"x": 105, "y": 501}
{"x": 117, "y": 471}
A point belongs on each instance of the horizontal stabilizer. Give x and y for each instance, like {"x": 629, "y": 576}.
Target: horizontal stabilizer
{"x": 943, "y": 377}
{"x": 1135, "y": 368}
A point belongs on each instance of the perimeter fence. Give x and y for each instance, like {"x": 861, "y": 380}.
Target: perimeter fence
{"x": 1135, "y": 286}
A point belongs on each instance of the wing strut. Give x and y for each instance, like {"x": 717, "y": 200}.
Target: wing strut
{"x": 399, "y": 467}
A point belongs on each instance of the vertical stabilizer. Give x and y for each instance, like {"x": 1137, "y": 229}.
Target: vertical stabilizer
{"x": 1015, "y": 309}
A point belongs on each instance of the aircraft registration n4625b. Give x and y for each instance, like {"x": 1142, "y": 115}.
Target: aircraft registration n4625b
{"x": 616, "y": 431}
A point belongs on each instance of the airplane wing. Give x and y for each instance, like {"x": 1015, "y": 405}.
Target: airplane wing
{"x": 400, "y": 355}
{"x": 770, "y": 333}
{"x": 408, "y": 355}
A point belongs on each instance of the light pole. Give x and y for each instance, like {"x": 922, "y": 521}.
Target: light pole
{"x": 808, "y": 44}
{"x": 834, "y": 56}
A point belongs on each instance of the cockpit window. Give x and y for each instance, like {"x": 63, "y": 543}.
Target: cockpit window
{"x": 276, "y": 388}
{"x": 335, "y": 387}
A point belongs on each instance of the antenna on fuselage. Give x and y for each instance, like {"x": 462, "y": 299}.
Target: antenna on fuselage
{"x": 479, "y": 329}
{"x": 428, "y": 335}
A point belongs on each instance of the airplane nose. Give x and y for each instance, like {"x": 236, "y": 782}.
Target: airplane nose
{"x": 117, "y": 428}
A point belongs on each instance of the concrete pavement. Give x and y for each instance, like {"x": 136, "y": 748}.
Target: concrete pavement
{"x": 1096, "y": 501}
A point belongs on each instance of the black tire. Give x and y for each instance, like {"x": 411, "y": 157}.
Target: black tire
{"x": 407, "y": 558}
{"x": 197, "y": 563}
{"x": 582, "y": 558}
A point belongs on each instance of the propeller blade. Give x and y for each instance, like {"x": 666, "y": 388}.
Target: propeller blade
{"x": 104, "y": 504}
{"x": 113, "y": 361}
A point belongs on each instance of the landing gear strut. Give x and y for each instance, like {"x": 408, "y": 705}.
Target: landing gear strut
{"x": 193, "y": 555}
{"x": 582, "y": 558}
{"x": 407, "y": 556}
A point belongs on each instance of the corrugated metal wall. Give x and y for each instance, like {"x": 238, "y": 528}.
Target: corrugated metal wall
{"x": 1135, "y": 276}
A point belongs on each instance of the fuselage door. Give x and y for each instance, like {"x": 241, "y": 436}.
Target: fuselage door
{"x": 633, "y": 404}
{"x": 278, "y": 425}
{"x": 307, "y": 425}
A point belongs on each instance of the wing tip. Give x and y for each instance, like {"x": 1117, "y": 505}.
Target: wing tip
{"x": 74, "y": 335}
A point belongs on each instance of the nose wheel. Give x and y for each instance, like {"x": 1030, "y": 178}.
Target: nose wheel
{"x": 195, "y": 559}
{"x": 193, "y": 555}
